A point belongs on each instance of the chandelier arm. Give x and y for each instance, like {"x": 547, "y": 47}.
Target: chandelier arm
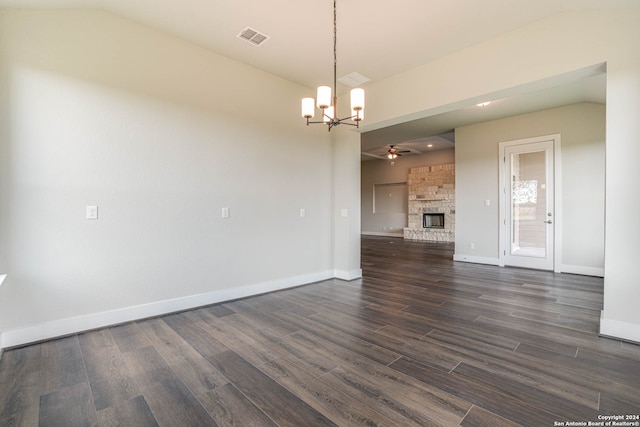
{"x": 349, "y": 118}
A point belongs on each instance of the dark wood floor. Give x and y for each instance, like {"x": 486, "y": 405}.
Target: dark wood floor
{"x": 420, "y": 341}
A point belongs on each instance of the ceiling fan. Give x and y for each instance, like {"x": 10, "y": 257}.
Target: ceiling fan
{"x": 394, "y": 153}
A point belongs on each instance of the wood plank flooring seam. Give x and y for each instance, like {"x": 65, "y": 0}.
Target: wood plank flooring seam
{"x": 454, "y": 368}
{"x": 255, "y": 404}
{"x": 393, "y": 361}
{"x": 465, "y": 415}
{"x": 84, "y": 365}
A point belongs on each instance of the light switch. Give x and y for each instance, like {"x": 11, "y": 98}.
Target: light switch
{"x": 92, "y": 212}
{"x": 225, "y": 212}
{"x": 487, "y": 203}
{"x": 303, "y": 212}
{"x": 344, "y": 212}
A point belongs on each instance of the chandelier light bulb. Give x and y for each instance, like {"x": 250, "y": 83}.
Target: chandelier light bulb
{"x": 323, "y": 100}
{"x": 357, "y": 99}
{"x": 308, "y": 108}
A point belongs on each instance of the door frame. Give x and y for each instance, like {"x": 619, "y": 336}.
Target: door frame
{"x": 557, "y": 196}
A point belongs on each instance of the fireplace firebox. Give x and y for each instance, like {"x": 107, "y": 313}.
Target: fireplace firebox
{"x": 432, "y": 220}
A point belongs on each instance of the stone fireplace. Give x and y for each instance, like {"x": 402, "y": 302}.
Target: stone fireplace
{"x": 431, "y": 203}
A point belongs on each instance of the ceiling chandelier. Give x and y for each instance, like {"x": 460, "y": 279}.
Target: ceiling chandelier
{"x": 328, "y": 104}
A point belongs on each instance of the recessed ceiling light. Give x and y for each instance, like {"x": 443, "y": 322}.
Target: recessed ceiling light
{"x": 483, "y": 104}
{"x": 429, "y": 145}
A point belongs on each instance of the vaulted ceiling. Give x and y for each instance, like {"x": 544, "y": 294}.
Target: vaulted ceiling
{"x": 376, "y": 38}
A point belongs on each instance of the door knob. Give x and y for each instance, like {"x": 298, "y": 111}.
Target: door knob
{"x": 549, "y": 222}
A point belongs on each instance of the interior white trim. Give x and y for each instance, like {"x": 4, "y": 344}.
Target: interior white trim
{"x": 348, "y": 275}
{"x": 381, "y": 233}
{"x": 2, "y": 277}
{"x": 579, "y": 269}
{"x": 476, "y": 259}
{"x": 620, "y": 330}
{"x": 74, "y": 325}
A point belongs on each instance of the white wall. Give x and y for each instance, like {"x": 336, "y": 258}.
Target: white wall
{"x": 378, "y": 172}
{"x": 346, "y": 206}
{"x": 582, "y": 130}
{"x": 621, "y": 316}
{"x": 125, "y": 66}
{"x": 519, "y": 60}
{"x": 160, "y": 134}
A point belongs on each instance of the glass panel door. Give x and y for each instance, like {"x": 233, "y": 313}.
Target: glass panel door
{"x": 529, "y": 195}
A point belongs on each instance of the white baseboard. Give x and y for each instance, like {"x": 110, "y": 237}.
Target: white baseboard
{"x": 620, "y": 330}
{"x": 348, "y": 275}
{"x": 2, "y": 277}
{"x": 382, "y": 234}
{"x": 476, "y": 259}
{"x": 578, "y": 269}
{"x": 74, "y": 325}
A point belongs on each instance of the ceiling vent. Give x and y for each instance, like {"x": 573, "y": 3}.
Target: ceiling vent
{"x": 252, "y": 36}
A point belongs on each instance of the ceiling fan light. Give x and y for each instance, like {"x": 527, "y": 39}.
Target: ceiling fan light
{"x": 308, "y": 108}
{"x": 357, "y": 99}
{"x": 323, "y": 99}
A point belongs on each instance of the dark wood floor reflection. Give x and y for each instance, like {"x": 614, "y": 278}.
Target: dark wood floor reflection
{"x": 420, "y": 341}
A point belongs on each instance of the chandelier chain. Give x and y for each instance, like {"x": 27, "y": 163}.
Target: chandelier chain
{"x": 335, "y": 54}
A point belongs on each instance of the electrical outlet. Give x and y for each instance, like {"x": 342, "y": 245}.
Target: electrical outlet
{"x": 472, "y": 245}
{"x": 92, "y": 212}
{"x": 225, "y": 212}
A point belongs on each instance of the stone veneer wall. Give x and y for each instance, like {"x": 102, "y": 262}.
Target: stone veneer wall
{"x": 431, "y": 190}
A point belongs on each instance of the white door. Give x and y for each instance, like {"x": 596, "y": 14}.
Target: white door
{"x": 529, "y": 222}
